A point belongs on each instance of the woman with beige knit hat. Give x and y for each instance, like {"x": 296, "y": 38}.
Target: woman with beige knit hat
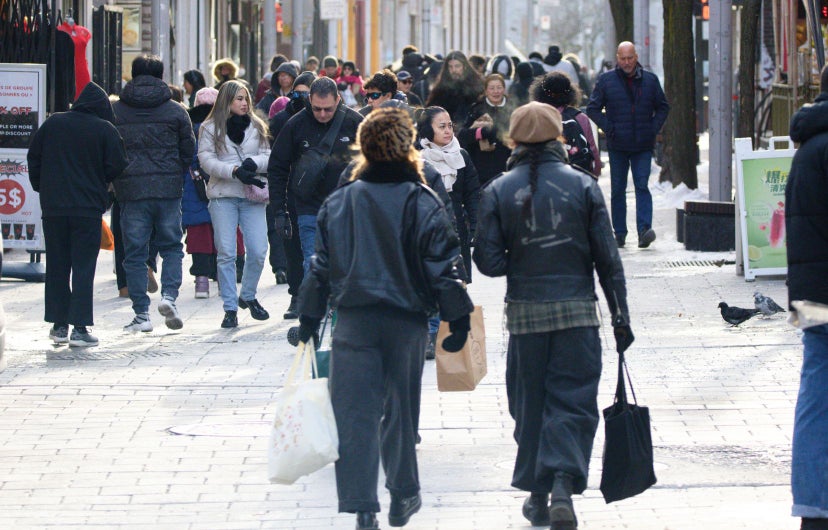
{"x": 386, "y": 257}
{"x": 544, "y": 225}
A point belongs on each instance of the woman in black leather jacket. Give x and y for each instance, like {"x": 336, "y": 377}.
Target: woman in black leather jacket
{"x": 544, "y": 225}
{"x": 383, "y": 287}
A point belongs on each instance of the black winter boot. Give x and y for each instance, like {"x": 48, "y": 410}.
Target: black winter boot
{"x": 561, "y": 511}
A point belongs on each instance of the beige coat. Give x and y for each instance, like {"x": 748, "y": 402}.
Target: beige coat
{"x": 220, "y": 165}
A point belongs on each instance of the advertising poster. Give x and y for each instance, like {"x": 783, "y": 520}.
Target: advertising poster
{"x": 760, "y": 201}
{"x": 19, "y": 204}
{"x": 22, "y": 103}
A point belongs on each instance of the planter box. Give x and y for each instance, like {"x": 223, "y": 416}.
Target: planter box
{"x": 709, "y": 226}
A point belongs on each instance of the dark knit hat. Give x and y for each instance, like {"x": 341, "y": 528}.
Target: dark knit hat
{"x": 535, "y": 123}
{"x": 305, "y": 78}
{"x": 386, "y": 135}
{"x": 329, "y": 60}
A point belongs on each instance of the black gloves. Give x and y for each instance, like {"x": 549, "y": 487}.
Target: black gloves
{"x": 623, "y": 334}
{"x": 248, "y": 177}
{"x": 459, "y": 333}
{"x": 250, "y": 165}
{"x": 489, "y": 132}
{"x": 281, "y": 222}
{"x": 309, "y": 327}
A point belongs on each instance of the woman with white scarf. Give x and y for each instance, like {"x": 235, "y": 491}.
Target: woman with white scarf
{"x": 443, "y": 151}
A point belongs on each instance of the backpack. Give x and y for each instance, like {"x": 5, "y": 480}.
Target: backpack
{"x": 576, "y": 145}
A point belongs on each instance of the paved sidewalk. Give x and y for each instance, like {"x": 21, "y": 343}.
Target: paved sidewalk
{"x": 168, "y": 429}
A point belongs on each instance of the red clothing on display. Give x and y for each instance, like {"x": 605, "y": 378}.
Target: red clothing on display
{"x": 80, "y": 36}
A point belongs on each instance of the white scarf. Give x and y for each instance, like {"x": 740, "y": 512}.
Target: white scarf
{"x": 447, "y": 159}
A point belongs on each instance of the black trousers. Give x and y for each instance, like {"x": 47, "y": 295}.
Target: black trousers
{"x": 115, "y": 226}
{"x": 72, "y": 246}
{"x": 376, "y": 367}
{"x": 552, "y": 385}
{"x": 294, "y": 257}
{"x": 277, "y": 257}
{"x": 203, "y": 265}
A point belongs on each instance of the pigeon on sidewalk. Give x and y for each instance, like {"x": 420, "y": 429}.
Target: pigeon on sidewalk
{"x": 736, "y": 315}
{"x": 766, "y": 305}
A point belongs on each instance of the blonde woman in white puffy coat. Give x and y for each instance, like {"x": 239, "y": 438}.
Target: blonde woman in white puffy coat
{"x": 233, "y": 149}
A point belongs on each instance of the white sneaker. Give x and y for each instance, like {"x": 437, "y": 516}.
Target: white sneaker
{"x": 171, "y": 317}
{"x": 139, "y": 323}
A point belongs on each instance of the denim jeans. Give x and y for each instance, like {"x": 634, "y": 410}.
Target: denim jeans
{"x": 307, "y": 237}
{"x": 138, "y": 219}
{"x": 809, "y": 466}
{"x": 620, "y": 164}
{"x": 227, "y": 213}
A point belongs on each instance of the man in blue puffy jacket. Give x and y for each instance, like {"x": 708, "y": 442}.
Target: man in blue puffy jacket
{"x": 629, "y": 105}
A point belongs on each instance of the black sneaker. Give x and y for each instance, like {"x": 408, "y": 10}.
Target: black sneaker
{"x": 291, "y": 313}
{"x": 81, "y": 338}
{"x": 646, "y": 237}
{"x": 230, "y": 320}
{"x": 256, "y": 310}
{"x": 620, "y": 239}
{"x": 402, "y": 508}
{"x": 59, "y": 334}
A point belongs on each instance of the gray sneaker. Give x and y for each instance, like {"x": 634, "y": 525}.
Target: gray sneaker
{"x": 59, "y": 334}
{"x": 81, "y": 338}
{"x": 140, "y": 323}
{"x": 171, "y": 317}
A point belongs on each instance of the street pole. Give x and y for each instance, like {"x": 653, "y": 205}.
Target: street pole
{"x": 721, "y": 102}
{"x": 298, "y": 37}
{"x": 641, "y": 31}
{"x": 269, "y": 34}
{"x": 161, "y": 37}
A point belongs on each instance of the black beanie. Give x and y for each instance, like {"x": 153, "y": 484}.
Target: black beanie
{"x": 305, "y": 78}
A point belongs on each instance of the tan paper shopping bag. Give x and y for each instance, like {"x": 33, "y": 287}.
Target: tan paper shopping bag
{"x": 461, "y": 371}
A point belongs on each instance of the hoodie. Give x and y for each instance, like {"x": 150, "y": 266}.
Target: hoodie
{"x": 74, "y": 155}
{"x": 159, "y": 140}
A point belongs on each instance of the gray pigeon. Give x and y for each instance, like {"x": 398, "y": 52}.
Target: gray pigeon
{"x": 765, "y": 304}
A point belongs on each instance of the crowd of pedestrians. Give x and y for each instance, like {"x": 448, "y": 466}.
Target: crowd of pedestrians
{"x": 372, "y": 194}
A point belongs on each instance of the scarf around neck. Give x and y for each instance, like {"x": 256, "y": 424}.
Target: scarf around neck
{"x": 236, "y": 125}
{"x": 447, "y": 159}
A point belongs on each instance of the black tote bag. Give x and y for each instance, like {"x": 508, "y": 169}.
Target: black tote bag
{"x": 628, "y": 445}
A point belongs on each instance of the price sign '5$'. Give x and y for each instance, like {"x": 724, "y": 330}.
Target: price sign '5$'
{"x": 12, "y": 196}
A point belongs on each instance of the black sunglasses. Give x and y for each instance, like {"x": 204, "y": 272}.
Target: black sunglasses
{"x": 298, "y": 94}
{"x": 373, "y": 95}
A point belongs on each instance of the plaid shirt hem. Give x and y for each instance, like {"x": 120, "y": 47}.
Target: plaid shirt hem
{"x": 541, "y": 317}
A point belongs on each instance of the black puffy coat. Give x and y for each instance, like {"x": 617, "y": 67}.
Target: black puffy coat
{"x": 489, "y": 164}
{"x": 634, "y": 114}
{"x": 73, "y": 156}
{"x": 552, "y": 256}
{"x": 385, "y": 239}
{"x": 806, "y": 205}
{"x": 159, "y": 140}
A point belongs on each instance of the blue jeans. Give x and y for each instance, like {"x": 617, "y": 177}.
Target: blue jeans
{"x": 227, "y": 213}
{"x": 809, "y": 466}
{"x": 620, "y": 164}
{"x": 138, "y": 219}
{"x": 307, "y": 237}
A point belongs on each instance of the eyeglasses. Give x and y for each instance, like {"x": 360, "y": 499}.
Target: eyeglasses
{"x": 295, "y": 94}
{"x": 373, "y": 95}
{"x": 407, "y": 81}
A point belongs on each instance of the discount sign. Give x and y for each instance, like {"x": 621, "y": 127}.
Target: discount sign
{"x": 12, "y": 196}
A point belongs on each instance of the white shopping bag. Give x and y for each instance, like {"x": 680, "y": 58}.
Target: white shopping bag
{"x": 303, "y": 438}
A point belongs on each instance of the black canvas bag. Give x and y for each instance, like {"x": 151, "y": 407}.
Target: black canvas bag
{"x": 309, "y": 170}
{"x": 628, "y": 445}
